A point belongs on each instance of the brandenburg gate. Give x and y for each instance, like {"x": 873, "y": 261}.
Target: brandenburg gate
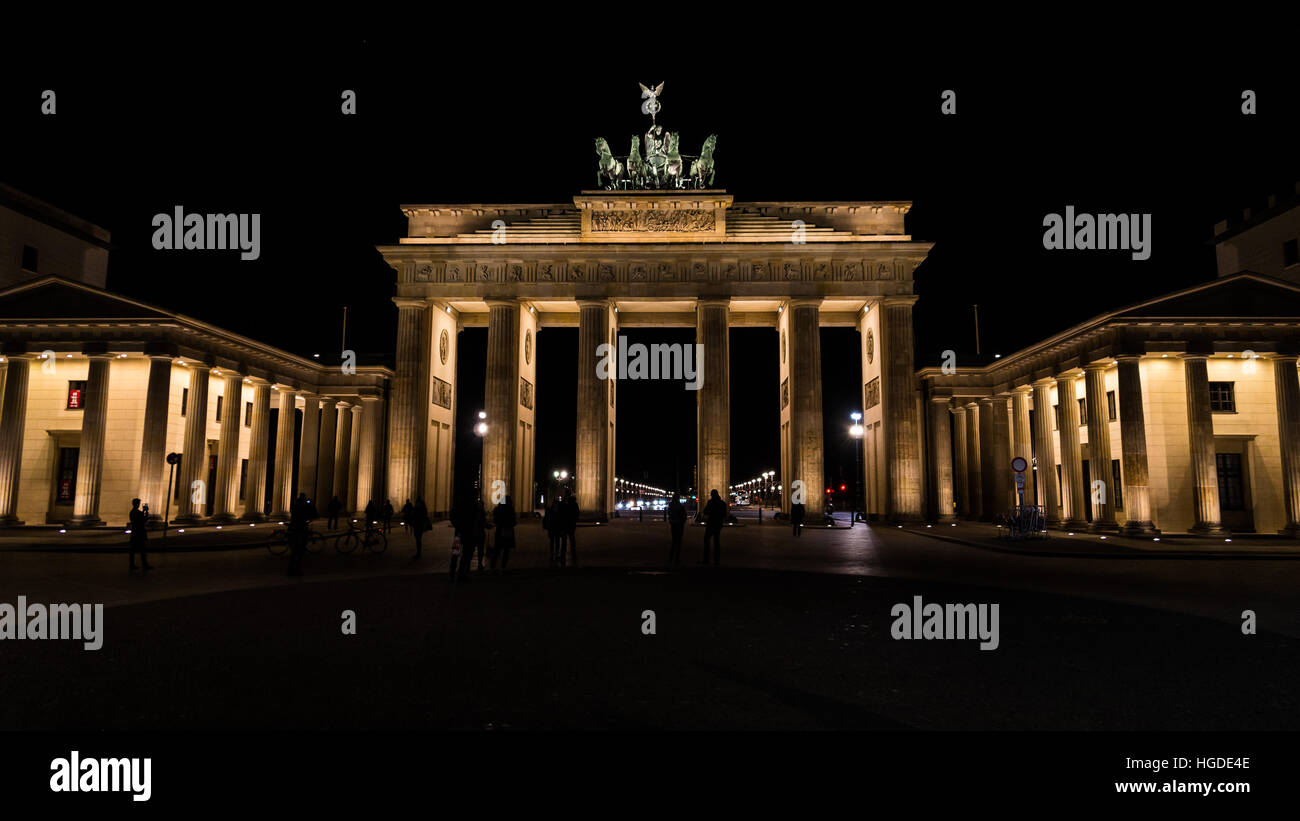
{"x": 654, "y": 247}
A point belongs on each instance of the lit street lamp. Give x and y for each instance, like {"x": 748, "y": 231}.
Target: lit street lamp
{"x": 856, "y": 432}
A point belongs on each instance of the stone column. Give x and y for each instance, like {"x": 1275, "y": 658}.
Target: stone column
{"x": 329, "y": 418}
{"x": 90, "y": 455}
{"x": 407, "y": 420}
{"x": 343, "y": 456}
{"x": 974, "y": 474}
{"x": 501, "y": 401}
{"x": 990, "y": 500}
{"x": 1133, "y": 447}
{"x": 153, "y": 443}
{"x": 259, "y": 446}
{"x": 1103, "y": 512}
{"x": 1200, "y": 429}
{"x": 194, "y": 457}
{"x": 282, "y": 489}
{"x": 713, "y": 399}
{"x": 368, "y": 462}
{"x": 806, "y": 457}
{"x": 901, "y": 411}
{"x": 354, "y": 459}
{"x": 1073, "y": 494}
{"x": 225, "y": 506}
{"x": 961, "y": 471}
{"x": 1020, "y": 441}
{"x": 941, "y": 458}
{"x": 1287, "y": 391}
{"x": 1045, "y": 447}
{"x": 592, "y": 463}
{"x": 13, "y": 427}
{"x": 309, "y": 446}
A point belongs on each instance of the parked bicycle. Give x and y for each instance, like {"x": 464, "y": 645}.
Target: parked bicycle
{"x": 374, "y": 540}
{"x": 279, "y": 544}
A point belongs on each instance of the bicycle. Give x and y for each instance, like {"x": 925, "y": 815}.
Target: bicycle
{"x": 279, "y": 544}
{"x": 374, "y": 540}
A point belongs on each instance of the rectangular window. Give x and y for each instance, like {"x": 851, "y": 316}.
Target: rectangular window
{"x": 1222, "y": 398}
{"x": 1116, "y": 486}
{"x": 243, "y": 477}
{"x": 31, "y": 258}
{"x": 1290, "y": 253}
{"x": 67, "y": 489}
{"x": 1110, "y": 405}
{"x": 185, "y": 399}
{"x": 219, "y": 398}
{"x": 1231, "y": 494}
{"x": 77, "y": 394}
{"x": 248, "y": 414}
{"x": 1083, "y": 411}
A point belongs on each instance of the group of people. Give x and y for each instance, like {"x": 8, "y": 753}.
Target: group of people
{"x": 561, "y": 525}
{"x": 470, "y": 525}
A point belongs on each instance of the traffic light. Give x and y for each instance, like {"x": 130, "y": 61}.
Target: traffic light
{"x": 841, "y": 488}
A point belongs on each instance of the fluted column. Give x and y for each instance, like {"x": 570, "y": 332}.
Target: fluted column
{"x": 1287, "y": 391}
{"x": 501, "y": 398}
{"x": 974, "y": 474}
{"x": 343, "y": 456}
{"x": 225, "y": 505}
{"x": 1133, "y": 448}
{"x": 1200, "y": 430}
{"x": 961, "y": 471}
{"x": 1073, "y": 494}
{"x": 194, "y": 461}
{"x": 990, "y": 500}
{"x": 329, "y": 418}
{"x": 592, "y": 464}
{"x": 902, "y": 416}
{"x": 259, "y": 447}
{"x": 807, "y": 458}
{"x": 354, "y": 460}
{"x": 90, "y": 454}
{"x": 13, "y": 427}
{"x": 369, "y": 472}
{"x": 309, "y": 446}
{"x": 282, "y": 488}
{"x": 1045, "y": 452}
{"x": 713, "y": 399}
{"x": 941, "y": 458}
{"x": 1020, "y": 440}
{"x": 406, "y": 421}
{"x": 153, "y": 441}
{"x": 1103, "y": 511}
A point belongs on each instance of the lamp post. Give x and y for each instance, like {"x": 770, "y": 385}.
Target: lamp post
{"x": 480, "y": 430}
{"x": 856, "y": 431}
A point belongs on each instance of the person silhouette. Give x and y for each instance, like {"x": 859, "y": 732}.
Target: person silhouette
{"x": 407, "y": 513}
{"x": 300, "y": 516}
{"x": 715, "y": 516}
{"x": 139, "y": 534}
{"x": 571, "y": 514}
{"x": 334, "y": 507}
{"x": 388, "y": 516}
{"x": 797, "y": 514}
{"x": 419, "y": 521}
{"x": 504, "y": 520}
{"x": 676, "y": 523}
{"x": 553, "y": 524}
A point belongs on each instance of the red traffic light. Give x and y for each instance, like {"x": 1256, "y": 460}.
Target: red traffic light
{"x": 828, "y": 490}
{"x": 841, "y": 487}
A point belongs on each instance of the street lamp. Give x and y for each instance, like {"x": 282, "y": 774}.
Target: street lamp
{"x": 480, "y": 430}
{"x": 856, "y": 432}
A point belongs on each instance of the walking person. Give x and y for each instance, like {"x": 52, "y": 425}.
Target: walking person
{"x": 552, "y": 523}
{"x": 676, "y": 523}
{"x": 797, "y": 514}
{"x": 504, "y": 520}
{"x": 420, "y": 522}
{"x": 300, "y": 516}
{"x": 715, "y": 516}
{"x": 139, "y": 520}
{"x": 462, "y": 546}
{"x": 388, "y": 516}
{"x": 334, "y": 507}
{"x": 571, "y": 513}
{"x": 372, "y": 510}
{"x": 407, "y": 513}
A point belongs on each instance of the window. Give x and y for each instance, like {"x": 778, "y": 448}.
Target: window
{"x": 219, "y": 398}
{"x": 1290, "y": 253}
{"x": 31, "y": 257}
{"x": 1083, "y": 412}
{"x": 1116, "y": 485}
{"x": 1222, "y": 399}
{"x": 243, "y": 477}
{"x": 248, "y": 414}
{"x": 76, "y": 394}
{"x": 67, "y": 488}
{"x": 1231, "y": 495}
{"x": 185, "y": 399}
{"x": 1110, "y": 405}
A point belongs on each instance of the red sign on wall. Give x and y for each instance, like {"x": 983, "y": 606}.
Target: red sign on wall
{"x": 74, "y": 398}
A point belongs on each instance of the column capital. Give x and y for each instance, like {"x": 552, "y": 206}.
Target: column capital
{"x": 720, "y": 301}
{"x": 1128, "y": 357}
{"x": 897, "y": 300}
{"x": 1286, "y": 358}
{"x": 503, "y": 302}
{"x": 1192, "y": 356}
{"x": 410, "y": 302}
{"x": 1097, "y": 366}
{"x": 947, "y": 400}
{"x": 332, "y": 400}
{"x": 100, "y": 355}
{"x": 594, "y": 302}
{"x": 226, "y": 373}
{"x": 804, "y": 302}
{"x": 1045, "y": 382}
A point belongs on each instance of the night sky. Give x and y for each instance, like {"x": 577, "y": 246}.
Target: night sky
{"x": 225, "y": 129}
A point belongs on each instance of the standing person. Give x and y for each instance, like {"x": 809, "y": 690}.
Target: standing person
{"x": 715, "y": 516}
{"x": 571, "y": 513}
{"x": 797, "y": 514}
{"x": 552, "y": 523}
{"x": 300, "y": 516}
{"x": 420, "y": 522}
{"x": 371, "y": 513}
{"x": 504, "y": 520}
{"x": 479, "y": 528}
{"x": 462, "y": 551}
{"x": 407, "y": 513}
{"x": 139, "y": 534}
{"x": 334, "y": 507}
{"x": 388, "y": 516}
{"x": 676, "y": 522}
